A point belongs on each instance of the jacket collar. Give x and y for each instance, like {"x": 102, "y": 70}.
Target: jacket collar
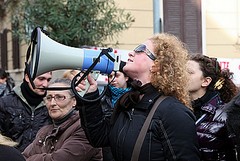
{"x": 59, "y": 129}
{"x": 212, "y": 104}
{"x": 18, "y": 92}
{"x": 149, "y": 98}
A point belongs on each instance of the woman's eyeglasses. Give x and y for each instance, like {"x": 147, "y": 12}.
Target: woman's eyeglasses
{"x": 143, "y": 48}
{"x": 57, "y": 98}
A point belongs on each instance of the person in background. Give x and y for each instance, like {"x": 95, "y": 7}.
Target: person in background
{"x": 157, "y": 67}
{"x": 6, "y": 83}
{"x": 233, "y": 123}
{"x": 7, "y": 150}
{"x": 209, "y": 88}
{"x": 120, "y": 83}
{"x": 70, "y": 74}
{"x": 64, "y": 140}
{"x": 22, "y": 112}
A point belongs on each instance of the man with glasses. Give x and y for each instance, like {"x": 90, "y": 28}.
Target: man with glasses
{"x": 22, "y": 112}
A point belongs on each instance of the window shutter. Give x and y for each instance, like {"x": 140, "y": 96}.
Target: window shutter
{"x": 4, "y": 49}
{"x": 183, "y": 19}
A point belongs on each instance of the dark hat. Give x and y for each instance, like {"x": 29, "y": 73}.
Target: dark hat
{"x": 3, "y": 73}
{"x": 122, "y": 64}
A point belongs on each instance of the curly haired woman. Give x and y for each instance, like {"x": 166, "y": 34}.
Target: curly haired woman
{"x": 210, "y": 87}
{"x": 158, "y": 67}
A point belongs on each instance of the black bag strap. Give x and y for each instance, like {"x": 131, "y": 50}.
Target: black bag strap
{"x": 142, "y": 134}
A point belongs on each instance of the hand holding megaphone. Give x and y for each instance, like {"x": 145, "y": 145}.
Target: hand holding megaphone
{"x": 87, "y": 85}
{"x": 93, "y": 86}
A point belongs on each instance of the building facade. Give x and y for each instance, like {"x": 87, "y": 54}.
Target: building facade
{"x": 210, "y": 27}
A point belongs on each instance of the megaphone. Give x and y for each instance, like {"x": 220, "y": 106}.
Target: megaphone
{"x": 45, "y": 54}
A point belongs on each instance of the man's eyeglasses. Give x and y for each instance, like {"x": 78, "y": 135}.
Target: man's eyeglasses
{"x": 57, "y": 98}
{"x": 143, "y": 48}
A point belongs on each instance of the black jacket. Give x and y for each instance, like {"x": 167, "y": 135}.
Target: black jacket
{"x": 106, "y": 103}
{"x": 20, "y": 121}
{"x": 107, "y": 108}
{"x": 233, "y": 123}
{"x": 171, "y": 135}
{"x": 214, "y": 141}
{"x": 8, "y": 153}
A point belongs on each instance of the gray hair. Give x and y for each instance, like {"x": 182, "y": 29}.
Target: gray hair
{"x": 65, "y": 81}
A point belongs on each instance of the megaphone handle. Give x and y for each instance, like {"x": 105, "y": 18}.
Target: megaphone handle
{"x": 95, "y": 75}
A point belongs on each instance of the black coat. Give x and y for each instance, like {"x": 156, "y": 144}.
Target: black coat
{"x": 107, "y": 108}
{"x": 20, "y": 121}
{"x": 213, "y": 135}
{"x": 171, "y": 135}
{"x": 8, "y": 153}
{"x": 233, "y": 122}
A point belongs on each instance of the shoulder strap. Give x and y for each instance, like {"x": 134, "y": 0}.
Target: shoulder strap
{"x": 142, "y": 134}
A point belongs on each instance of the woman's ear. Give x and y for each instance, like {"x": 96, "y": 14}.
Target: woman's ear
{"x": 206, "y": 81}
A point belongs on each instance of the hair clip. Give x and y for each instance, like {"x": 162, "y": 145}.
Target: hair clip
{"x": 219, "y": 84}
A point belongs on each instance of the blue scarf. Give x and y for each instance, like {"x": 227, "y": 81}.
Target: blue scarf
{"x": 116, "y": 93}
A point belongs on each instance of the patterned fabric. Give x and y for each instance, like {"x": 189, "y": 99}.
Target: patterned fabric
{"x": 117, "y": 93}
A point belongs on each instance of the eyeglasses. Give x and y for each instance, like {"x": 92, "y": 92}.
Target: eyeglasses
{"x": 57, "y": 98}
{"x": 143, "y": 48}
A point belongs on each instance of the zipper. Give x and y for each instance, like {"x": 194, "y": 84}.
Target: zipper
{"x": 131, "y": 114}
{"x": 167, "y": 141}
{"x": 125, "y": 126}
{"x": 32, "y": 116}
{"x": 118, "y": 142}
{"x": 31, "y": 129}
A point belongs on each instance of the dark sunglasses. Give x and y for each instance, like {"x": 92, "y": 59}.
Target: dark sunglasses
{"x": 143, "y": 48}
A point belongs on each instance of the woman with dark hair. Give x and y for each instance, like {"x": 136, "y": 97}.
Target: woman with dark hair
{"x": 209, "y": 88}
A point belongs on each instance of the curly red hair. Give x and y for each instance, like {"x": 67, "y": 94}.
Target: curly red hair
{"x": 171, "y": 76}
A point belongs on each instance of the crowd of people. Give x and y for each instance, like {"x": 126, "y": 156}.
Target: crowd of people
{"x": 196, "y": 120}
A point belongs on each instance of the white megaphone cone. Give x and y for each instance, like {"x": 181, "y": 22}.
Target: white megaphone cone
{"x": 45, "y": 54}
